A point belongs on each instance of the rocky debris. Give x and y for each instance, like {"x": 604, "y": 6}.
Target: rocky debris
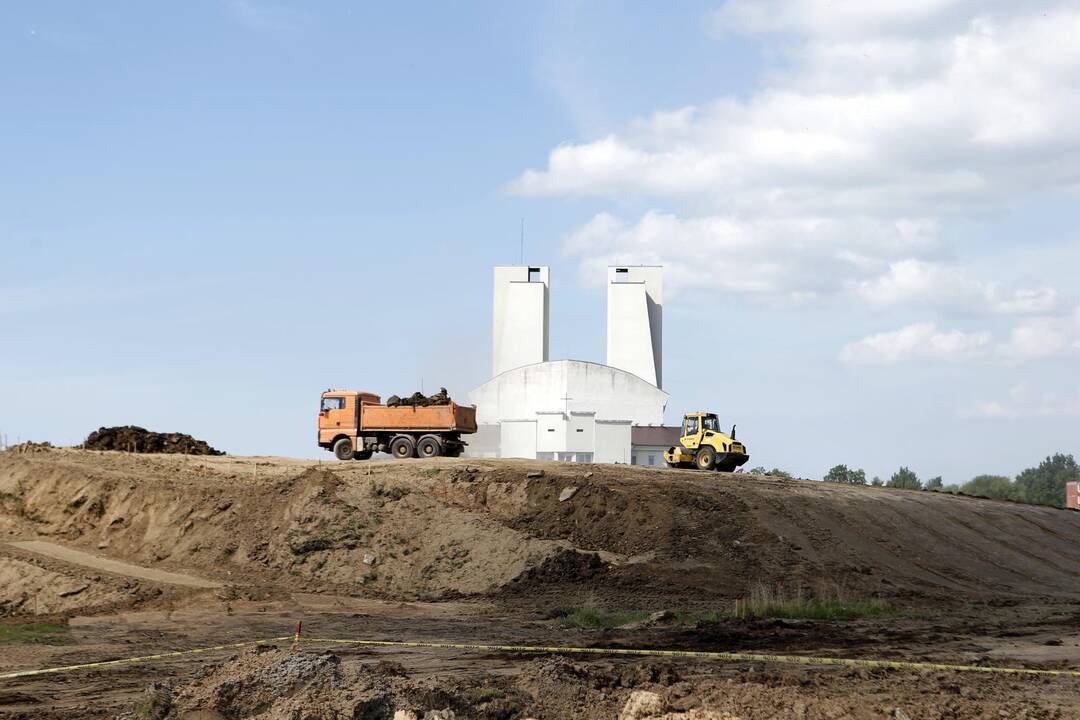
{"x": 567, "y": 493}
{"x": 134, "y": 439}
{"x": 74, "y": 591}
{"x": 31, "y": 447}
{"x": 642, "y": 704}
{"x": 273, "y": 684}
{"x": 418, "y": 399}
{"x": 535, "y": 474}
{"x": 370, "y": 559}
{"x": 660, "y": 617}
{"x": 154, "y": 704}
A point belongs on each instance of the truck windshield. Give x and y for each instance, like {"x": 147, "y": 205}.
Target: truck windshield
{"x": 710, "y": 422}
{"x": 333, "y": 403}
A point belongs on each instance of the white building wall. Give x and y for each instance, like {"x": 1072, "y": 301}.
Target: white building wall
{"x": 484, "y": 443}
{"x": 581, "y": 432}
{"x": 569, "y": 386}
{"x": 641, "y": 454}
{"x": 518, "y": 439}
{"x": 612, "y": 442}
{"x": 550, "y": 432}
{"x": 520, "y": 320}
{"x": 635, "y": 321}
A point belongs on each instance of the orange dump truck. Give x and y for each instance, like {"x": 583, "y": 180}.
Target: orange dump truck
{"x": 356, "y": 424}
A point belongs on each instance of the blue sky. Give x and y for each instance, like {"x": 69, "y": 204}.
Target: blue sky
{"x": 213, "y": 211}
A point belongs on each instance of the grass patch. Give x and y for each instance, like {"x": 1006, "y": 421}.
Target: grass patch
{"x": 814, "y": 609}
{"x": 768, "y": 602}
{"x": 762, "y": 602}
{"x": 33, "y": 633}
{"x": 485, "y": 694}
{"x": 588, "y": 617}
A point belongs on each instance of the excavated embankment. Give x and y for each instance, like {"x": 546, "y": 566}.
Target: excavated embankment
{"x": 445, "y": 528}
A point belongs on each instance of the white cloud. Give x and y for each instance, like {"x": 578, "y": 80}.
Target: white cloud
{"x": 1035, "y": 339}
{"x": 792, "y": 258}
{"x": 919, "y": 341}
{"x": 1024, "y": 401}
{"x": 991, "y": 117}
{"x": 884, "y": 119}
{"x": 917, "y": 282}
{"x": 1029, "y": 340}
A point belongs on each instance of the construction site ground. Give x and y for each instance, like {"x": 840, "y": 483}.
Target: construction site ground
{"x": 130, "y": 555}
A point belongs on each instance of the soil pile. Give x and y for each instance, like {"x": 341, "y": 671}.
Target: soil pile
{"x": 131, "y": 438}
{"x": 31, "y": 588}
{"x": 628, "y": 536}
{"x": 272, "y": 684}
{"x": 419, "y": 399}
{"x": 31, "y": 447}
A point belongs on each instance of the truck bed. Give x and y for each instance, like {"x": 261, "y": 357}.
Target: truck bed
{"x": 436, "y": 418}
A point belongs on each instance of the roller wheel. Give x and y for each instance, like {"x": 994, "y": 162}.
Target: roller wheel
{"x": 706, "y": 458}
{"x": 726, "y": 467}
{"x": 343, "y": 449}
{"x": 402, "y": 447}
{"x": 362, "y": 455}
{"x": 428, "y": 447}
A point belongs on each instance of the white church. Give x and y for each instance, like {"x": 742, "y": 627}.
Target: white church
{"x": 574, "y": 410}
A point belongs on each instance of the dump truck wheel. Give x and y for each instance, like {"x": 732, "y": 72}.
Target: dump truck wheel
{"x": 343, "y": 449}
{"x": 362, "y": 455}
{"x": 402, "y": 447}
{"x": 429, "y": 447}
{"x": 706, "y": 458}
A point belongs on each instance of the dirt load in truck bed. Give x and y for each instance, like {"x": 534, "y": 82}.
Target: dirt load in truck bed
{"x": 465, "y": 527}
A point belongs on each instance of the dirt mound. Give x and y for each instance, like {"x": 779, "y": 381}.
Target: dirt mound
{"x": 130, "y": 438}
{"x": 30, "y": 447}
{"x": 272, "y": 684}
{"x": 31, "y": 589}
{"x": 419, "y": 399}
{"x": 448, "y": 528}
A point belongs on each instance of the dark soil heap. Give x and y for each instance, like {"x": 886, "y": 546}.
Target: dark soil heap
{"x": 31, "y": 447}
{"x": 130, "y": 438}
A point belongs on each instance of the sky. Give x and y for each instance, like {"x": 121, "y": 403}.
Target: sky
{"x": 867, "y": 213}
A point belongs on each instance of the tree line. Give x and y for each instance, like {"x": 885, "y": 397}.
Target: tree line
{"x": 1041, "y": 485}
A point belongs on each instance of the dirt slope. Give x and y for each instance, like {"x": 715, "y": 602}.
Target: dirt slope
{"x": 442, "y": 528}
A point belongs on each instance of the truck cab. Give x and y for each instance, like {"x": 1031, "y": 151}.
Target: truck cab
{"x": 339, "y": 416}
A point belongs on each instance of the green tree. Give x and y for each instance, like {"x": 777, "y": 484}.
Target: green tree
{"x": 876, "y": 482}
{"x": 998, "y": 487}
{"x": 843, "y": 474}
{"x": 1045, "y": 484}
{"x": 904, "y": 478}
{"x": 934, "y": 483}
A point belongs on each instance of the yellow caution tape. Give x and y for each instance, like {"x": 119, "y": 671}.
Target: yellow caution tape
{"x": 144, "y": 658}
{"x": 704, "y": 655}
{"x": 559, "y": 650}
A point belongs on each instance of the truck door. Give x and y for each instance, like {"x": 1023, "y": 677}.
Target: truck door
{"x": 335, "y": 413}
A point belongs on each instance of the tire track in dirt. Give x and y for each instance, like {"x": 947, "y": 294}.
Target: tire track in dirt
{"x": 116, "y": 567}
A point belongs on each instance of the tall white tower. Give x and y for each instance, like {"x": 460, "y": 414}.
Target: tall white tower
{"x": 635, "y": 321}
{"x": 519, "y": 331}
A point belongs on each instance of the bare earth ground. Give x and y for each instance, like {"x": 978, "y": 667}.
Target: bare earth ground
{"x": 143, "y": 554}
